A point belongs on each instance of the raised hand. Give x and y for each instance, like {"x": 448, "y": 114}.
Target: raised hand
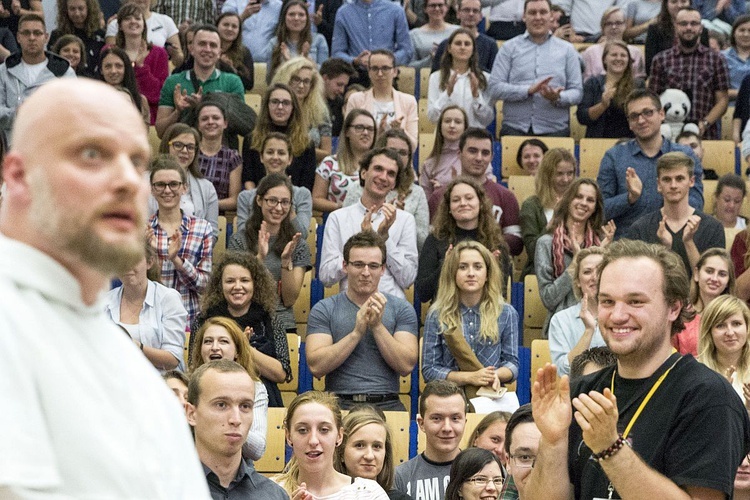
{"x": 175, "y": 243}
{"x": 180, "y": 98}
{"x": 263, "y": 237}
{"x": 286, "y": 255}
{"x": 398, "y": 122}
{"x": 389, "y": 216}
{"x": 305, "y": 50}
{"x": 376, "y": 306}
{"x": 550, "y": 403}
{"x": 538, "y": 85}
{"x": 249, "y": 332}
{"x": 589, "y": 321}
{"x": 663, "y": 233}
{"x": 318, "y": 16}
{"x": 691, "y": 227}
{"x": 474, "y": 84}
{"x": 634, "y": 185}
{"x": 609, "y": 232}
{"x": 451, "y": 83}
{"x": 252, "y": 7}
{"x": 552, "y": 94}
{"x": 301, "y": 493}
{"x": 608, "y": 95}
{"x": 367, "y": 220}
{"x": 596, "y": 414}
{"x": 286, "y": 54}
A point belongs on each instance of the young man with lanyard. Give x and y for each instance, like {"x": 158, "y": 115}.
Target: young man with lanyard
{"x": 674, "y": 430}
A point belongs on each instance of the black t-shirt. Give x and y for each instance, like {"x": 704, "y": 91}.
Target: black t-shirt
{"x": 694, "y": 430}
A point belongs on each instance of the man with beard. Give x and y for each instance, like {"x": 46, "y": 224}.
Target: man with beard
{"x": 675, "y": 429}
{"x": 85, "y": 414}
{"x": 697, "y": 70}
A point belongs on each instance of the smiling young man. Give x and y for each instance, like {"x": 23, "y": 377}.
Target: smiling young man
{"x": 221, "y": 396}
{"x": 626, "y": 172}
{"x": 362, "y": 340}
{"x": 675, "y": 429}
{"x": 521, "y": 445}
{"x": 442, "y": 418}
{"x": 379, "y": 174}
{"x": 678, "y": 226}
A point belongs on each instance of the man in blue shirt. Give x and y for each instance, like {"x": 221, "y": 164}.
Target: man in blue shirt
{"x": 538, "y": 76}
{"x": 627, "y": 173}
{"x": 259, "y": 19}
{"x": 366, "y": 25}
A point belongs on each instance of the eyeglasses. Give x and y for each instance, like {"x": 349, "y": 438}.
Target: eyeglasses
{"x": 295, "y": 80}
{"x": 685, "y": 24}
{"x": 646, "y": 113}
{"x": 159, "y": 187}
{"x": 469, "y": 11}
{"x": 360, "y": 129}
{"x": 481, "y": 481}
{"x": 179, "y": 146}
{"x": 612, "y": 24}
{"x": 524, "y": 461}
{"x": 275, "y": 103}
{"x": 28, "y": 33}
{"x": 381, "y": 69}
{"x": 373, "y": 266}
{"x": 274, "y": 202}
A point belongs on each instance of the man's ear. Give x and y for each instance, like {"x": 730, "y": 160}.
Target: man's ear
{"x": 190, "y": 414}
{"x": 15, "y": 177}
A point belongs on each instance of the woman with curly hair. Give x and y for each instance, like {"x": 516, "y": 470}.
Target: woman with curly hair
{"x": 461, "y": 82}
{"x": 233, "y": 52}
{"x": 303, "y": 78}
{"x": 81, "y": 18}
{"x": 294, "y": 38}
{"x": 576, "y": 224}
{"x": 221, "y": 338}
{"x": 465, "y": 213}
{"x": 280, "y": 112}
{"x": 471, "y": 334}
{"x": 338, "y": 174}
{"x": 270, "y": 234}
{"x": 241, "y": 288}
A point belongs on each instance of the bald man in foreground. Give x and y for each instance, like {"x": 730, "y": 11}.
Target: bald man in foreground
{"x": 82, "y": 412}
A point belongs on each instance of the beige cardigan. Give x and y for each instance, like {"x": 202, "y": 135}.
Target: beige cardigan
{"x": 403, "y": 104}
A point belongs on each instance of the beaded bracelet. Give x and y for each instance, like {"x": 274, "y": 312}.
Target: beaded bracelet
{"x": 608, "y": 452}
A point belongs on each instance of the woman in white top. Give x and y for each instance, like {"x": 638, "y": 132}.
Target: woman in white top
{"x": 161, "y": 31}
{"x": 221, "y": 338}
{"x": 152, "y": 313}
{"x": 314, "y": 430}
{"x": 425, "y": 39}
{"x": 460, "y": 81}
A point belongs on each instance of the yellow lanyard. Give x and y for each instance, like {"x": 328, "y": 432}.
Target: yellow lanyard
{"x": 646, "y": 399}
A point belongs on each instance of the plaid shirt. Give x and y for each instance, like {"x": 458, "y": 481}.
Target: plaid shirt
{"x": 198, "y": 11}
{"x": 439, "y": 362}
{"x": 700, "y": 74}
{"x": 218, "y": 167}
{"x": 197, "y": 245}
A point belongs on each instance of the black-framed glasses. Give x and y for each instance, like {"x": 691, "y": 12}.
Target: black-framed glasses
{"x": 524, "y": 461}
{"x": 274, "y": 202}
{"x": 159, "y": 187}
{"x": 179, "y": 146}
{"x": 373, "y": 266}
{"x": 295, "y": 80}
{"x": 284, "y": 103}
{"x": 363, "y": 128}
{"x": 481, "y": 481}
{"x": 646, "y": 113}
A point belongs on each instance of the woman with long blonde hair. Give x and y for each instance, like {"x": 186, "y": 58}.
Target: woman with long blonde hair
{"x": 314, "y": 429}
{"x": 722, "y": 345}
{"x": 221, "y": 338}
{"x": 471, "y": 334}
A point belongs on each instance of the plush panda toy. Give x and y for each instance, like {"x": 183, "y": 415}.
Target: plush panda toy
{"x": 676, "y": 106}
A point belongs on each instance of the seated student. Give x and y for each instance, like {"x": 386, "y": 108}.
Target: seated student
{"x": 199, "y": 196}
{"x": 490, "y": 435}
{"x": 471, "y": 335}
{"x": 242, "y": 289}
{"x": 713, "y": 276}
{"x": 81, "y": 19}
{"x": 161, "y": 31}
{"x": 463, "y": 214}
{"x": 313, "y": 427}
{"x": 270, "y": 234}
{"x": 522, "y": 446}
{"x": 590, "y": 361}
{"x": 152, "y": 313}
{"x": 576, "y": 224}
{"x": 280, "y": 112}
{"x": 730, "y": 193}
{"x": 221, "y": 338}
{"x": 71, "y": 48}
{"x": 367, "y": 449}
{"x": 529, "y": 155}
{"x": 691, "y": 139}
{"x": 116, "y": 69}
{"x": 178, "y": 382}
{"x": 613, "y": 28}
{"x": 295, "y": 38}
{"x": 339, "y": 173}
{"x": 426, "y": 38}
{"x": 234, "y": 54}
{"x": 391, "y": 108}
{"x": 407, "y": 196}
{"x": 557, "y": 171}
{"x": 276, "y": 156}
{"x": 336, "y": 74}
{"x": 380, "y": 172}
{"x": 183, "y": 243}
{"x": 723, "y": 343}
{"x": 576, "y": 329}
{"x": 475, "y": 473}
{"x": 227, "y": 474}
{"x": 218, "y": 163}
{"x": 442, "y": 418}
{"x": 684, "y": 229}
{"x": 443, "y": 163}
{"x": 362, "y": 339}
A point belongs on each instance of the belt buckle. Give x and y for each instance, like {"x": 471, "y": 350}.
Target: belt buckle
{"x": 359, "y": 398}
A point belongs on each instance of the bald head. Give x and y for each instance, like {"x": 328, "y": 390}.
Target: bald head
{"x": 74, "y": 175}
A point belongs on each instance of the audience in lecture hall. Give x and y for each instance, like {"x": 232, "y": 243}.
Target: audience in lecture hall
{"x": 248, "y": 303}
